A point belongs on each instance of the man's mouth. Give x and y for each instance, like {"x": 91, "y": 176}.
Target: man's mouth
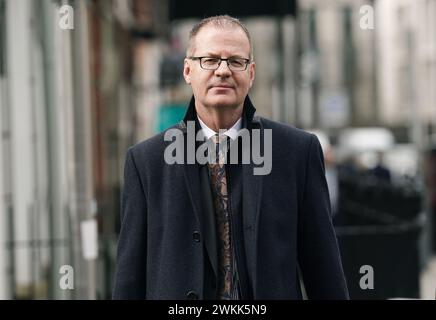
{"x": 222, "y": 86}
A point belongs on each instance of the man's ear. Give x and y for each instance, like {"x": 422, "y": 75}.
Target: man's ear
{"x": 187, "y": 71}
{"x": 252, "y": 71}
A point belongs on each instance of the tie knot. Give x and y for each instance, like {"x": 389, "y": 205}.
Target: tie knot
{"x": 219, "y": 139}
{"x": 220, "y": 149}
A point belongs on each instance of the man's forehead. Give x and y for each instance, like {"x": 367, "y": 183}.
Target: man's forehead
{"x": 233, "y": 36}
{"x": 235, "y": 31}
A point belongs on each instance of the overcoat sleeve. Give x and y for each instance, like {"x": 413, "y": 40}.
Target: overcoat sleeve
{"x": 130, "y": 278}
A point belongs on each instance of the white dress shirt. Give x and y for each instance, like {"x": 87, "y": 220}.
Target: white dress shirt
{"x": 232, "y": 132}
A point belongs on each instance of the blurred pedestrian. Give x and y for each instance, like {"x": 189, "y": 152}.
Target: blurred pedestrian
{"x": 380, "y": 171}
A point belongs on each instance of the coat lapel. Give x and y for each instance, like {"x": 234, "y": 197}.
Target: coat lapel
{"x": 251, "y": 200}
{"x": 196, "y": 177}
{"x": 251, "y": 197}
{"x": 208, "y": 219}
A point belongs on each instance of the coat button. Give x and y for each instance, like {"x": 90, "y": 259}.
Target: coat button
{"x": 192, "y": 295}
{"x": 196, "y": 236}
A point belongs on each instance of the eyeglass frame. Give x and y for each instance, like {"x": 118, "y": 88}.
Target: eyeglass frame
{"x": 247, "y": 62}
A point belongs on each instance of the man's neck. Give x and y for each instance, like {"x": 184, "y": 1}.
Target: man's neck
{"x": 217, "y": 119}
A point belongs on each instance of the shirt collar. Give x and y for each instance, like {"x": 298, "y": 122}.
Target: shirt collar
{"x": 232, "y": 132}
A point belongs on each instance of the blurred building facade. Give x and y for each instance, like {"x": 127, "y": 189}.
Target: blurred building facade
{"x": 356, "y": 75}
{"x": 67, "y": 100}
{"x": 337, "y": 82}
{"x": 406, "y": 66}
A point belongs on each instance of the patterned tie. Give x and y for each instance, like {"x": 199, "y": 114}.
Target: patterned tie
{"x": 227, "y": 281}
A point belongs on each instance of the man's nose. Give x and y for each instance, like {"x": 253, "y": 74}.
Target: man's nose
{"x": 223, "y": 69}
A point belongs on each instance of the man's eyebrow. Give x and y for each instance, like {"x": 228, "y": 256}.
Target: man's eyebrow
{"x": 214, "y": 55}
{"x": 237, "y": 56}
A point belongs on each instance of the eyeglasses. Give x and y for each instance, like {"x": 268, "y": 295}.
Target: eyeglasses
{"x": 211, "y": 63}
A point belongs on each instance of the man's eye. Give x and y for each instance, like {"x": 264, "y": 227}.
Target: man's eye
{"x": 237, "y": 62}
{"x": 210, "y": 61}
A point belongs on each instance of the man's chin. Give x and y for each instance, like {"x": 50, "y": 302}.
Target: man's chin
{"x": 224, "y": 102}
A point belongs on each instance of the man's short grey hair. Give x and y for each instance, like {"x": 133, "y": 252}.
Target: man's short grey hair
{"x": 221, "y": 21}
